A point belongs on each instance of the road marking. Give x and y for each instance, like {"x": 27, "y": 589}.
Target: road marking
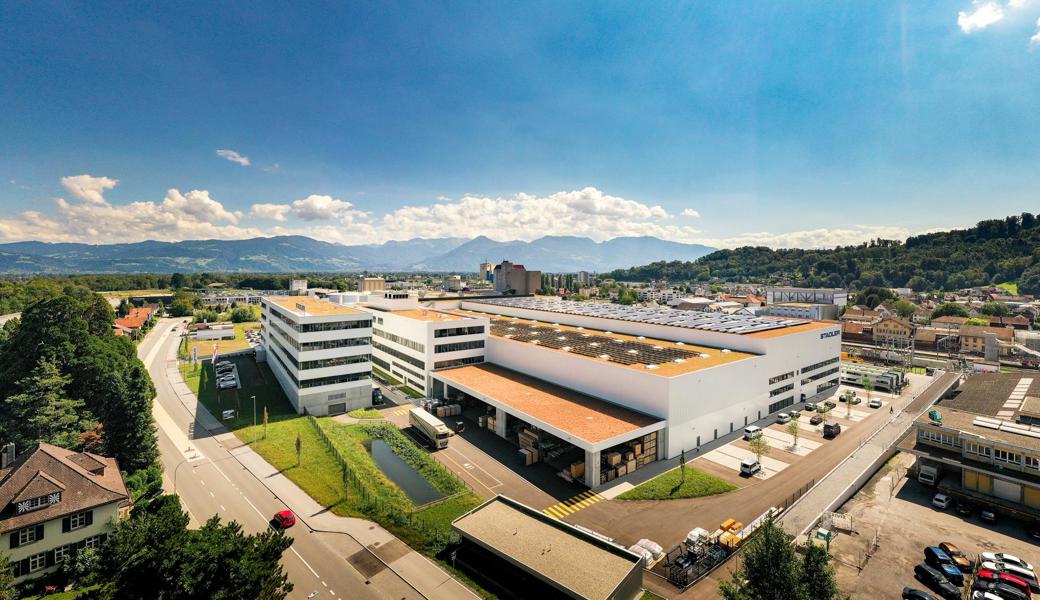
{"x": 222, "y": 508}
{"x": 573, "y": 504}
{"x": 305, "y": 563}
{"x": 253, "y": 506}
{"x": 469, "y": 465}
{"x": 212, "y": 495}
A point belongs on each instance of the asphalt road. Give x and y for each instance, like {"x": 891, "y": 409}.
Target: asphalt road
{"x": 210, "y": 481}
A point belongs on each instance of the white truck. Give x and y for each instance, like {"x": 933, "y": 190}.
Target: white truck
{"x": 929, "y": 474}
{"x": 432, "y": 428}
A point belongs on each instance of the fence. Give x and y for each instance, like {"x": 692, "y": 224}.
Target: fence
{"x": 369, "y": 502}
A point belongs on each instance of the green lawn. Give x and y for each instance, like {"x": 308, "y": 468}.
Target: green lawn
{"x": 257, "y": 380}
{"x": 239, "y": 343}
{"x": 69, "y": 595}
{"x": 1011, "y": 287}
{"x": 672, "y": 485}
{"x": 365, "y": 413}
{"x": 390, "y": 379}
{"x": 412, "y": 392}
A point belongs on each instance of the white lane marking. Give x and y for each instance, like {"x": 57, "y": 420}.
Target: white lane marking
{"x": 212, "y": 495}
{"x": 155, "y": 349}
{"x": 202, "y": 481}
{"x": 253, "y": 506}
{"x": 305, "y": 563}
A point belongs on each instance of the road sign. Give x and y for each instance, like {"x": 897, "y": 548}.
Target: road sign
{"x": 228, "y": 414}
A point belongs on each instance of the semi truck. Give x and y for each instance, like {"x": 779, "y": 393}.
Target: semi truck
{"x": 432, "y": 428}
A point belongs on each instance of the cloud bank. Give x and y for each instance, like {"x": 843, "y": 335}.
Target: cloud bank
{"x": 234, "y": 157}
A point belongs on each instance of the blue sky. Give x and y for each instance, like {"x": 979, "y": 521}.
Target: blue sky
{"x": 781, "y": 123}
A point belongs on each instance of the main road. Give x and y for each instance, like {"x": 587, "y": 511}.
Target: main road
{"x": 199, "y": 467}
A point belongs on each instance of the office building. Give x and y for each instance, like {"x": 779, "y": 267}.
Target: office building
{"x": 801, "y": 310}
{"x": 55, "y": 502}
{"x": 515, "y": 279}
{"x": 784, "y": 294}
{"x": 371, "y": 284}
{"x": 452, "y": 283}
{"x": 297, "y": 286}
{"x": 320, "y": 352}
{"x": 486, "y": 272}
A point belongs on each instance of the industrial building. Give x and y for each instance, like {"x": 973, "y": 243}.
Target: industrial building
{"x": 519, "y": 552}
{"x": 515, "y": 279}
{"x": 801, "y": 310}
{"x": 371, "y": 284}
{"x": 601, "y": 390}
{"x": 982, "y": 445}
{"x": 784, "y": 294}
{"x": 320, "y": 352}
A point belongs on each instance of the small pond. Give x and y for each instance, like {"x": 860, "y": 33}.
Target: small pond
{"x": 408, "y": 479}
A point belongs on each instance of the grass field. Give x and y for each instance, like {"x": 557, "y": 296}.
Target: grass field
{"x": 365, "y": 413}
{"x": 673, "y": 484}
{"x": 256, "y": 379}
{"x": 1011, "y": 287}
{"x": 205, "y": 347}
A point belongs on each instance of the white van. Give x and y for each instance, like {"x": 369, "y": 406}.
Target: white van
{"x": 749, "y": 467}
{"x": 751, "y": 432}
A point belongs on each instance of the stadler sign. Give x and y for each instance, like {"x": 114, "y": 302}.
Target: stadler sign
{"x": 830, "y": 334}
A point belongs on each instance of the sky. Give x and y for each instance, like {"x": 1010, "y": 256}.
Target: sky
{"x": 786, "y": 124}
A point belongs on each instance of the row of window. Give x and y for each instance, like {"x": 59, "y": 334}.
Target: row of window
{"x": 451, "y": 332}
{"x": 829, "y": 361}
{"x": 458, "y": 362}
{"x": 408, "y": 370}
{"x": 781, "y": 404}
{"x": 781, "y": 390}
{"x": 939, "y": 437}
{"x": 401, "y": 341}
{"x": 401, "y": 355}
{"x": 324, "y": 345}
{"x": 826, "y": 385}
{"x": 34, "y": 533}
{"x": 457, "y": 346}
{"x": 312, "y": 327}
{"x": 319, "y": 381}
{"x": 40, "y": 561}
{"x": 819, "y": 375}
{"x": 1004, "y": 456}
{"x": 336, "y": 361}
{"x": 780, "y": 378}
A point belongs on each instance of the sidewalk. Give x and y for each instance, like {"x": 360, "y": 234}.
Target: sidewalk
{"x": 844, "y": 477}
{"x": 418, "y": 571}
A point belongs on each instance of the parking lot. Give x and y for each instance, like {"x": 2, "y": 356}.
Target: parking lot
{"x": 899, "y": 511}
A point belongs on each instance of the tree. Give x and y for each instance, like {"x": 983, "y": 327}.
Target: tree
{"x": 850, "y": 396}
{"x": 81, "y": 567}
{"x": 769, "y": 570}
{"x": 996, "y": 309}
{"x": 868, "y": 386}
{"x": 949, "y": 309}
{"x": 1029, "y": 281}
{"x": 43, "y": 411}
{"x": 759, "y": 446}
{"x": 979, "y": 321}
{"x": 7, "y": 591}
{"x": 905, "y": 308}
{"x": 177, "y": 281}
{"x": 243, "y": 314}
{"x": 817, "y": 573}
{"x": 793, "y": 430}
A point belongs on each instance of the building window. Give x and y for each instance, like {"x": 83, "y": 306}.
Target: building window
{"x": 458, "y": 362}
{"x": 37, "y": 503}
{"x": 93, "y": 541}
{"x": 1006, "y": 457}
{"x": 939, "y": 437}
{"x": 820, "y": 375}
{"x": 781, "y": 390}
{"x": 407, "y": 343}
{"x": 781, "y": 404}
{"x": 27, "y": 535}
{"x": 829, "y": 361}
{"x": 37, "y": 561}
{"x": 78, "y": 521}
{"x": 439, "y": 333}
{"x": 977, "y": 449}
{"x": 1033, "y": 462}
{"x": 61, "y": 553}
{"x": 779, "y": 378}
{"x": 458, "y": 346}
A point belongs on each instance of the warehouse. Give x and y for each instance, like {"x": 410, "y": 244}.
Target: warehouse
{"x": 518, "y": 552}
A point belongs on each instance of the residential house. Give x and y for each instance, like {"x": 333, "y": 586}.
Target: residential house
{"x": 973, "y": 339}
{"x": 136, "y": 320}
{"x": 949, "y": 320}
{"x": 54, "y": 502}
{"x": 862, "y": 315}
{"x": 1017, "y": 322}
{"x": 893, "y": 331}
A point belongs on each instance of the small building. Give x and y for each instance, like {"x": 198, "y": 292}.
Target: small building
{"x": 780, "y": 295}
{"x": 136, "y": 319}
{"x": 974, "y": 340}
{"x": 519, "y": 552}
{"x": 801, "y": 310}
{"x": 452, "y": 283}
{"x": 862, "y": 315}
{"x": 892, "y": 331}
{"x": 883, "y": 379}
{"x": 516, "y": 279}
{"x": 55, "y": 502}
{"x": 371, "y": 284}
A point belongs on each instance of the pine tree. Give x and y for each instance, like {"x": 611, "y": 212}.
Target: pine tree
{"x": 818, "y": 574}
{"x": 770, "y": 570}
{"x": 43, "y": 411}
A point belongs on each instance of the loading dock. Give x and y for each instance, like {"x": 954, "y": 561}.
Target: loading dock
{"x": 589, "y": 440}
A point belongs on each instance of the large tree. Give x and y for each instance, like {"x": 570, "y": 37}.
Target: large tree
{"x": 769, "y": 569}
{"x": 818, "y": 574}
{"x": 41, "y": 410}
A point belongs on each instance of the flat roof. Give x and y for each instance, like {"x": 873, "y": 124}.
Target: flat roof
{"x": 311, "y": 306}
{"x": 984, "y": 427}
{"x": 426, "y": 314}
{"x": 577, "y": 414}
{"x": 559, "y": 553}
{"x": 718, "y": 322}
{"x": 989, "y": 404}
{"x": 647, "y": 351}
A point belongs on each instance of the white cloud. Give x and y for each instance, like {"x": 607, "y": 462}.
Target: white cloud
{"x": 88, "y": 188}
{"x": 813, "y": 238}
{"x": 1035, "y": 40}
{"x": 199, "y": 205}
{"x": 984, "y": 15}
{"x": 689, "y": 212}
{"x": 323, "y": 208}
{"x": 274, "y": 212}
{"x": 234, "y": 157}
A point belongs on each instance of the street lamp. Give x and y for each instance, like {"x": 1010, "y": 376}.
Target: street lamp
{"x": 176, "y": 470}
{"x": 254, "y": 419}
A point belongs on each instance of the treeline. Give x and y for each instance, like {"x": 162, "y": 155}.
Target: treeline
{"x": 994, "y": 251}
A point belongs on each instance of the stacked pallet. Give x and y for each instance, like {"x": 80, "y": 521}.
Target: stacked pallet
{"x": 626, "y": 459}
{"x": 528, "y": 456}
{"x": 528, "y": 440}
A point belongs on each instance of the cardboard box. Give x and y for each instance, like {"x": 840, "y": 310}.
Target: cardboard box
{"x": 637, "y": 448}
{"x": 622, "y": 470}
{"x": 578, "y": 469}
{"x": 630, "y": 455}
{"x": 630, "y": 465}
{"x": 614, "y": 459}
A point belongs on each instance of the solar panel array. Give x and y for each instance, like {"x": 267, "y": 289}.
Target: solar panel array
{"x": 626, "y": 352}
{"x": 720, "y": 322}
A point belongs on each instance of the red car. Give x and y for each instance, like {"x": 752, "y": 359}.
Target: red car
{"x": 1006, "y": 578}
{"x": 284, "y": 519}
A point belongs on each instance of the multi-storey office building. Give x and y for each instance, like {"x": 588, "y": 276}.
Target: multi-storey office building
{"x": 603, "y": 380}
{"x": 410, "y": 341}
{"x": 320, "y": 352}
{"x": 985, "y": 445}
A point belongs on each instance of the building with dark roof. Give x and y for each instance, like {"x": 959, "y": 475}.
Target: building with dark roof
{"x": 54, "y": 502}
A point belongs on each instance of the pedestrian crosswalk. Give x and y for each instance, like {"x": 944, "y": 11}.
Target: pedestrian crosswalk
{"x": 573, "y": 505}
{"x": 401, "y": 410}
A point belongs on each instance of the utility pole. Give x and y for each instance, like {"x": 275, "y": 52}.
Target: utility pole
{"x": 254, "y": 419}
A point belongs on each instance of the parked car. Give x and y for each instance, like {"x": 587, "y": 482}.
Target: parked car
{"x": 937, "y": 582}
{"x": 934, "y": 556}
{"x": 749, "y": 467}
{"x": 1006, "y": 578}
{"x": 783, "y": 418}
{"x": 795, "y": 414}
{"x": 830, "y": 404}
{"x": 953, "y": 574}
{"x": 981, "y": 595}
{"x": 227, "y": 385}
{"x": 1025, "y": 574}
{"x": 1002, "y": 591}
{"x": 223, "y": 363}
{"x": 816, "y": 420}
{"x": 988, "y": 515}
{"x": 284, "y": 519}
{"x": 1034, "y": 531}
{"x": 377, "y": 396}
{"x": 958, "y": 557}
{"x": 963, "y": 508}
{"x": 831, "y": 430}
{"x": 751, "y": 432}
{"x": 810, "y": 406}
{"x": 910, "y": 593}
{"x": 941, "y": 501}
{"x": 1005, "y": 558}
{"x": 874, "y": 403}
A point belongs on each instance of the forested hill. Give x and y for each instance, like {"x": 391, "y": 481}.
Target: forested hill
{"x": 994, "y": 251}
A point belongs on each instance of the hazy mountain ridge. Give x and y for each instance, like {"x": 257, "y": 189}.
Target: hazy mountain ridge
{"x": 300, "y": 253}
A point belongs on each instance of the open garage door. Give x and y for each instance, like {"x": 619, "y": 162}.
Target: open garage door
{"x": 1007, "y": 490}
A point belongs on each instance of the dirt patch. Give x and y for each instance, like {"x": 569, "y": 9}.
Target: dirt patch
{"x": 366, "y": 563}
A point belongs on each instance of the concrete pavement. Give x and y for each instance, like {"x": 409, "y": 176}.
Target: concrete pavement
{"x": 214, "y": 473}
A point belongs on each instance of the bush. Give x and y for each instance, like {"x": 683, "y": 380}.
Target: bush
{"x": 445, "y": 481}
{"x": 243, "y": 314}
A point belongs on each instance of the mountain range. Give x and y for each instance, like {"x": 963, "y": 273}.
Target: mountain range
{"x": 303, "y": 254}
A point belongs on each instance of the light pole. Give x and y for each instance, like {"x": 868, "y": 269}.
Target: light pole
{"x": 176, "y": 470}
{"x": 254, "y": 419}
